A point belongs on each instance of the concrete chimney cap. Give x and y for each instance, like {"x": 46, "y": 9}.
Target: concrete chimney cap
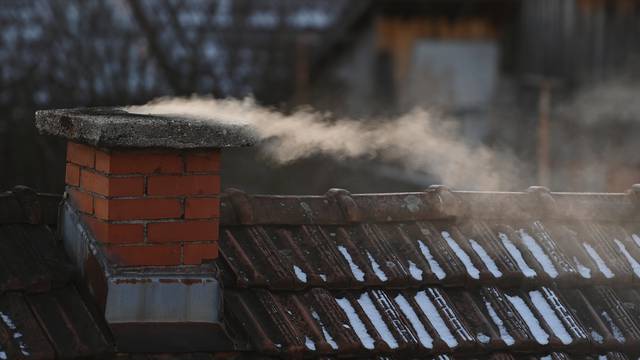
{"x": 117, "y": 128}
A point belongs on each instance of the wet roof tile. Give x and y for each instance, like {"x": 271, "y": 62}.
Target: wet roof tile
{"x": 422, "y": 274}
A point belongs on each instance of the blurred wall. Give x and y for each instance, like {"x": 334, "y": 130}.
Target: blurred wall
{"x": 483, "y": 62}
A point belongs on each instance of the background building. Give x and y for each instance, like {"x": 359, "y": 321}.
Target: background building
{"x": 552, "y": 82}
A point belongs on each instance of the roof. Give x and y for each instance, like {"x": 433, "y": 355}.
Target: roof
{"x": 461, "y": 274}
{"x": 42, "y": 314}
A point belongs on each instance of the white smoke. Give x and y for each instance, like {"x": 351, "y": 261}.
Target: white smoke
{"x": 613, "y": 100}
{"x": 421, "y": 141}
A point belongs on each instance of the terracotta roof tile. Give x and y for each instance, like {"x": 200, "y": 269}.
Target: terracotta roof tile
{"x": 511, "y": 275}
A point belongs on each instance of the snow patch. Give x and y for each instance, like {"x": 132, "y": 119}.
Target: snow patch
{"x": 466, "y": 260}
{"x": 323, "y": 277}
{"x": 550, "y": 317}
{"x": 433, "y": 264}
{"x": 602, "y": 266}
{"x": 407, "y": 310}
{"x": 504, "y": 334}
{"x": 632, "y": 261}
{"x": 329, "y": 339}
{"x": 539, "y": 254}
{"x": 355, "y": 269}
{"x": 597, "y": 337}
{"x": 376, "y": 268}
{"x": 636, "y": 239}
{"x": 517, "y": 256}
{"x": 584, "y": 271}
{"x": 309, "y": 343}
{"x": 486, "y": 259}
{"x": 538, "y": 333}
{"x": 372, "y": 313}
{"x": 438, "y": 298}
{"x": 327, "y": 336}
{"x": 435, "y": 319}
{"x": 7, "y": 320}
{"x": 356, "y": 323}
{"x": 301, "y": 275}
{"x": 483, "y": 338}
{"x": 16, "y": 335}
{"x": 615, "y": 330}
{"x": 415, "y": 271}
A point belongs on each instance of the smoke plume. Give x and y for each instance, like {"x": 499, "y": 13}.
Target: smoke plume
{"x": 421, "y": 141}
{"x": 613, "y": 100}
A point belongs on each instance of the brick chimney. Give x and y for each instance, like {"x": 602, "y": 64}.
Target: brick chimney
{"x": 147, "y": 207}
{"x": 141, "y": 221}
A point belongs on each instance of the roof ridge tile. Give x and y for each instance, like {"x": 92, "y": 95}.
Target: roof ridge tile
{"x": 438, "y": 202}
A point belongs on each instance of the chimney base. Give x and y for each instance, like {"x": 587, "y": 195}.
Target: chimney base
{"x": 163, "y": 309}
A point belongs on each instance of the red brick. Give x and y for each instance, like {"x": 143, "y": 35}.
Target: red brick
{"x": 202, "y": 208}
{"x": 154, "y": 255}
{"x": 72, "y": 175}
{"x": 80, "y": 154}
{"x": 90, "y": 181}
{"x": 195, "y": 254}
{"x": 82, "y": 201}
{"x": 111, "y": 186}
{"x": 138, "y": 162}
{"x": 137, "y": 209}
{"x": 115, "y": 233}
{"x": 183, "y": 231}
{"x": 183, "y": 185}
{"x": 203, "y": 162}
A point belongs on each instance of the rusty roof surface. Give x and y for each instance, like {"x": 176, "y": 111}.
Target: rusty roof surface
{"x": 42, "y": 314}
{"x": 437, "y": 274}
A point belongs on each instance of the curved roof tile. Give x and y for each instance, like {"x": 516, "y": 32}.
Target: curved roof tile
{"x": 438, "y": 273}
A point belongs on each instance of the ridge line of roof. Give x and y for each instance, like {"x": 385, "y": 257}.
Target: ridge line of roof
{"x": 438, "y": 202}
